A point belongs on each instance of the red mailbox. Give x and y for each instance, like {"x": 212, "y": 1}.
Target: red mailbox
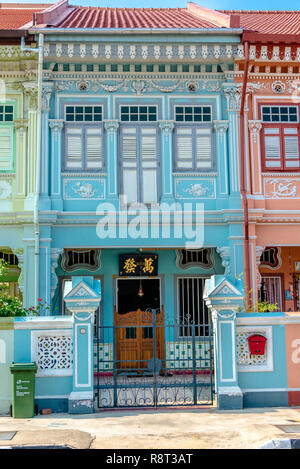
{"x": 257, "y": 344}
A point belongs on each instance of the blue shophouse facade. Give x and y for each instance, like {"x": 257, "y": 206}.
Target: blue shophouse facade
{"x": 139, "y": 161}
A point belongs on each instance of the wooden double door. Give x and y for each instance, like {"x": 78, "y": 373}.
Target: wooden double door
{"x": 139, "y": 326}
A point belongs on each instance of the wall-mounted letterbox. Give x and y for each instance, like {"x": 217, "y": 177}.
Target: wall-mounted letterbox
{"x": 257, "y": 344}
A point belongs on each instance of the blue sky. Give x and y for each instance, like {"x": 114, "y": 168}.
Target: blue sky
{"x": 216, "y": 4}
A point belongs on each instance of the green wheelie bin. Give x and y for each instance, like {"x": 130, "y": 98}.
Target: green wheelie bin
{"x": 23, "y": 389}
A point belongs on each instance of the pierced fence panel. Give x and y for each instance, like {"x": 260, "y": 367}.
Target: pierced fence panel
{"x": 144, "y": 361}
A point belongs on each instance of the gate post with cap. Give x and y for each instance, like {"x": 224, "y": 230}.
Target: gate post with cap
{"x": 224, "y": 299}
{"x": 82, "y": 301}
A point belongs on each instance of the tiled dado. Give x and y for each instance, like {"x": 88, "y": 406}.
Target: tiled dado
{"x": 180, "y": 354}
{"x": 104, "y": 357}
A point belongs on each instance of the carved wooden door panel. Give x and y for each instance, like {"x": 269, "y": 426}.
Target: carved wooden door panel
{"x": 135, "y": 334}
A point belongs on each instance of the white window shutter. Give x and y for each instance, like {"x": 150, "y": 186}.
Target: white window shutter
{"x": 272, "y": 147}
{"x": 148, "y": 143}
{"x": 291, "y": 147}
{"x": 129, "y": 142}
{"x": 203, "y": 148}
{"x": 6, "y": 146}
{"x": 184, "y": 148}
{"x": 74, "y": 144}
{"x": 149, "y": 165}
{"x": 129, "y": 164}
{"x": 94, "y": 147}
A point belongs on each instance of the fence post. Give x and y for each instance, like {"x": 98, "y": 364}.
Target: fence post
{"x": 83, "y": 300}
{"x": 223, "y": 299}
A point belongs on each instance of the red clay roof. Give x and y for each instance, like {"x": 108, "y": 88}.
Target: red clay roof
{"x": 93, "y": 17}
{"x": 14, "y": 18}
{"x": 269, "y": 22}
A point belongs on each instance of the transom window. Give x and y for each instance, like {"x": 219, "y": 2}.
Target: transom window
{"x": 193, "y": 113}
{"x": 6, "y": 113}
{"x": 138, "y": 113}
{"x": 270, "y": 257}
{"x": 74, "y": 259}
{"x": 195, "y": 258}
{"x": 83, "y": 113}
{"x": 279, "y": 113}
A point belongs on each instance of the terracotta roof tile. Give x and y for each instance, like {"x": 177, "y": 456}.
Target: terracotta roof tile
{"x": 269, "y": 22}
{"x": 92, "y": 17}
{"x": 15, "y": 18}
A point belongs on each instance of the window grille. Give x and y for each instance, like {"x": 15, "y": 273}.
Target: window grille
{"x": 74, "y": 259}
{"x": 270, "y": 291}
{"x": 9, "y": 258}
{"x": 192, "y": 309}
{"x": 270, "y": 258}
{"x": 195, "y": 258}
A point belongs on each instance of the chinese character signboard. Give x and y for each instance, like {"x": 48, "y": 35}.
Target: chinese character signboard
{"x": 138, "y": 264}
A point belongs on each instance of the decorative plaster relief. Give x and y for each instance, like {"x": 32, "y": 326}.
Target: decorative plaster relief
{"x": 195, "y": 188}
{"x": 282, "y": 188}
{"x": 83, "y": 189}
{"x": 5, "y": 189}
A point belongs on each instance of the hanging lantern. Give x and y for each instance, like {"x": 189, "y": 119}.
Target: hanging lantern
{"x": 140, "y": 292}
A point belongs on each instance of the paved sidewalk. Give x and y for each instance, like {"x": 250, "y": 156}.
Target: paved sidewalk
{"x": 177, "y": 428}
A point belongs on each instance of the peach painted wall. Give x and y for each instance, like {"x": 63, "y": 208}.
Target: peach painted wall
{"x": 292, "y": 337}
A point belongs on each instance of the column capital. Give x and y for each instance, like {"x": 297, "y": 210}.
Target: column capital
{"x": 21, "y": 125}
{"x": 166, "y": 126}
{"x": 233, "y": 96}
{"x": 46, "y": 95}
{"x": 31, "y": 92}
{"x": 224, "y": 253}
{"x": 111, "y": 126}
{"x": 254, "y": 126}
{"x": 56, "y": 125}
{"x": 221, "y": 126}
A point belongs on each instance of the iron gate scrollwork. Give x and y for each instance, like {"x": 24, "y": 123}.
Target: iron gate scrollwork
{"x": 144, "y": 361}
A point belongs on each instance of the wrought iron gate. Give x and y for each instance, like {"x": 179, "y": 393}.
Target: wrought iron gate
{"x": 144, "y": 361}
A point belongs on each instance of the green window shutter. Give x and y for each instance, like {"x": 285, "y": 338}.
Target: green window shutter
{"x": 6, "y": 148}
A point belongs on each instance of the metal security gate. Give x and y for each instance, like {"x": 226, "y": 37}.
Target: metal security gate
{"x": 142, "y": 360}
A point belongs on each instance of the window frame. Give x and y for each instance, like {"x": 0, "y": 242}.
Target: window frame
{"x": 84, "y": 157}
{"x": 10, "y": 125}
{"x": 139, "y": 169}
{"x": 194, "y": 126}
{"x": 281, "y": 126}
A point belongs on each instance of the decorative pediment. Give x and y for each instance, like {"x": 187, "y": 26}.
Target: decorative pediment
{"x": 82, "y": 298}
{"x": 83, "y": 291}
{"x": 225, "y": 289}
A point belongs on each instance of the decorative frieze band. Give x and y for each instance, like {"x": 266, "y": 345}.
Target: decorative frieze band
{"x": 144, "y": 52}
